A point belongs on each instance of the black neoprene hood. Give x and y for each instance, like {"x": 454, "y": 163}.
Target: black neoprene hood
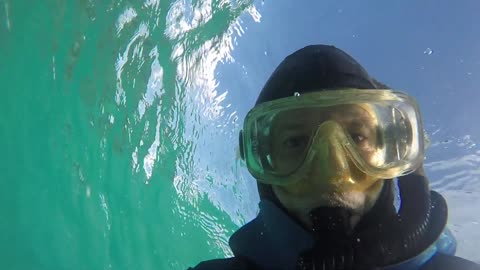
{"x": 313, "y": 68}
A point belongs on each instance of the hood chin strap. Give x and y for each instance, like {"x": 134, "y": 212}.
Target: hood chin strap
{"x": 381, "y": 238}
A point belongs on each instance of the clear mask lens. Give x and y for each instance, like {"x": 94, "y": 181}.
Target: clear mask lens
{"x": 382, "y": 137}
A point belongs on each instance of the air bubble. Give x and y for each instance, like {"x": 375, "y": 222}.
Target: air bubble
{"x": 428, "y": 51}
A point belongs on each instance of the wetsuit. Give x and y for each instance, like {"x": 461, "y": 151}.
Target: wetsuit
{"x": 273, "y": 240}
{"x": 257, "y": 247}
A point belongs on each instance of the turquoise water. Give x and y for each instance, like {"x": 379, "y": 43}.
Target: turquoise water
{"x": 100, "y": 156}
{"x": 119, "y": 119}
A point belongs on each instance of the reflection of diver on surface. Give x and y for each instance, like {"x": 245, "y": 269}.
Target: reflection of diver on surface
{"x": 320, "y": 141}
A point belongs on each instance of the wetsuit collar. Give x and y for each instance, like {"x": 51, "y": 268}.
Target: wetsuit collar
{"x": 272, "y": 240}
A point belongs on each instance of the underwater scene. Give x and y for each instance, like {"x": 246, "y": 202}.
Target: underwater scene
{"x": 120, "y": 120}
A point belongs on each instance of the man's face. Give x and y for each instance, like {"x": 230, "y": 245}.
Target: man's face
{"x": 291, "y": 141}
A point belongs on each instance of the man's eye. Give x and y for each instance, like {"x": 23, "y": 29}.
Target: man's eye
{"x": 296, "y": 142}
{"x": 358, "y": 138}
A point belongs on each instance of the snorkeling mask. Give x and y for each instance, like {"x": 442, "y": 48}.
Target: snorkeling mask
{"x": 374, "y": 134}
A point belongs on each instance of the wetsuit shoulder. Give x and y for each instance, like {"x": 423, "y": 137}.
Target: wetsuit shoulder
{"x": 234, "y": 263}
{"x": 449, "y": 262}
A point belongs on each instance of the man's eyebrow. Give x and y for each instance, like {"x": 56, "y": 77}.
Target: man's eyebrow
{"x": 357, "y": 123}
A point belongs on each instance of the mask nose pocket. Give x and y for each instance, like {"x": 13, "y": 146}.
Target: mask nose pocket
{"x": 327, "y": 153}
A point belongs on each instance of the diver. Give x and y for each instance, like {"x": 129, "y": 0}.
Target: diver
{"x": 338, "y": 158}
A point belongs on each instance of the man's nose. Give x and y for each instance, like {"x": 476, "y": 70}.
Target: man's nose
{"x": 330, "y": 162}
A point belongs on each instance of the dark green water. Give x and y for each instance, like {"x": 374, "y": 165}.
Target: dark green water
{"x": 103, "y": 110}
